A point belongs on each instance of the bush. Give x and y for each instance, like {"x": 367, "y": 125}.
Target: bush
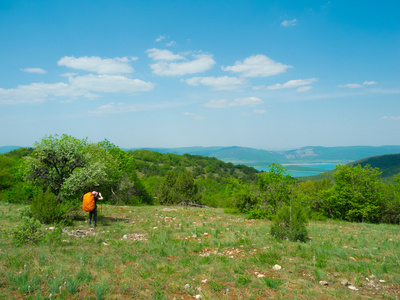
{"x": 259, "y": 214}
{"x": 28, "y": 232}
{"x": 290, "y": 222}
{"x": 20, "y": 193}
{"x": 47, "y": 209}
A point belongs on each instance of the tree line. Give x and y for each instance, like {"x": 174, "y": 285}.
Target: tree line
{"x": 58, "y": 170}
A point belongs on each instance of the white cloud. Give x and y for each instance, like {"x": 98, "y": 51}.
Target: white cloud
{"x": 39, "y": 92}
{"x": 163, "y": 54}
{"x": 160, "y": 38}
{"x": 217, "y": 83}
{"x": 259, "y": 111}
{"x": 34, "y": 70}
{"x": 288, "y": 23}
{"x": 110, "y": 84}
{"x": 117, "y": 65}
{"x": 249, "y": 101}
{"x": 391, "y": 118}
{"x": 292, "y": 84}
{"x": 303, "y": 89}
{"x": 200, "y": 63}
{"x": 351, "y": 85}
{"x": 118, "y": 108}
{"x": 257, "y": 66}
{"x": 369, "y": 82}
{"x": 81, "y": 86}
{"x": 221, "y": 103}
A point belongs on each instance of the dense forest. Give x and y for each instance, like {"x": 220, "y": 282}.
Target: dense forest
{"x": 53, "y": 176}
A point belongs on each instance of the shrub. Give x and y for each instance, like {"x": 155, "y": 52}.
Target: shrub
{"x": 47, "y": 209}
{"x": 290, "y": 222}
{"x": 259, "y": 214}
{"x": 28, "y": 232}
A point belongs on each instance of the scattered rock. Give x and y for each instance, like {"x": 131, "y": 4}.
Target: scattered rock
{"x": 372, "y": 276}
{"x": 352, "y": 258}
{"x": 345, "y": 282}
{"x": 187, "y": 286}
{"x": 204, "y": 281}
{"x": 198, "y": 296}
{"x": 260, "y": 275}
{"x": 382, "y": 280}
{"x": 353, "y": 288}
{"x": 169, "y": 209}
{"x": 135, "y": 237}
{"x": 276, "y": 267}
{"x": 323, "y": 282}
{"x": 105, "y": 244}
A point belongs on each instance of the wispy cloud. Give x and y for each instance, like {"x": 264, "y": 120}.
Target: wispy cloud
{"x": 248, "y": 101}
{"x": 79, "y": 86}
{"x": 391, "y": 118}
{"x": 351, "y": 85}
{"x": 303, "y": 89}
{"x": 120, "y": 108}
{"x": 259, "y": 111}
{"x": 221, "y": 103}
{"x": 163, "y": 54}
{"x": 257, "y": 66}
{"x": 224, "y": 103}
{"x": 193, "y": 116}
{"x": 292, "y": 84}
{"x": 110, "y": 84}
{"x": 117, "y": 65}
{"x": 165, "y": 65}
{"x": 34, "y": 70}
{"x": 218, "y": 83}
{"x": 288, "y": 23}
{"x": 357, "y": 85}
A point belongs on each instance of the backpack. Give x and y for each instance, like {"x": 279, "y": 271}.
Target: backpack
{"x": 88, "y": 202}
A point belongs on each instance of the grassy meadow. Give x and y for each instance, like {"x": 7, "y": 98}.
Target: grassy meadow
{"x": 154, "y": 252}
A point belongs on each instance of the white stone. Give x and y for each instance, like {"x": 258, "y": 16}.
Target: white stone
{"x": 260, "y": 275}
{"x": 276, "y": 267}
{"x": 353, "y": 288}
{"x": 204, "y": 281}
{"x": 322, "y": 282}
{"x": 198, "y": 297}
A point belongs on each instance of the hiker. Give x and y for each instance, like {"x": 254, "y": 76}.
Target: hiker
{"x": 97, "y": 196}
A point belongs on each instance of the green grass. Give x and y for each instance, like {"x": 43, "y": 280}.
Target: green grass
{"x": 219, "y": 256}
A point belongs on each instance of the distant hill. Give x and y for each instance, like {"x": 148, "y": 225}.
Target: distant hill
{"x": 5, "y": 149}
{"x": 311, "y": 154}
{"x": 255, "y": 157}
{"x": 389, "y": 165}
{"x": 337, "y": 154}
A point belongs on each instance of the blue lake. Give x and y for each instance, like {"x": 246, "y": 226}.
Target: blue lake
{"x": 306, "y": 169}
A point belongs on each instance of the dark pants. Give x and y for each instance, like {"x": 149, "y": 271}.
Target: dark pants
{"x": 93, "y": 214}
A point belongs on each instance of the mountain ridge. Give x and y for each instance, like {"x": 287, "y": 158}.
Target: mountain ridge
{"x": 252, "y": 156}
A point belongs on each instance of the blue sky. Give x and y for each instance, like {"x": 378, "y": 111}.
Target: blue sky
{"x": 261, "y": 74}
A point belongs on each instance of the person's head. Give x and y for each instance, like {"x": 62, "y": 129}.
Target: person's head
{"x": 95, "y": 193}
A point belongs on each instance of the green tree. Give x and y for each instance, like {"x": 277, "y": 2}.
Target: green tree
{"x": 357, "y": 194}
{"x": 58, "y": 161}
{"x": 290, "y": 222}
{"x": 276, "y": 187}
